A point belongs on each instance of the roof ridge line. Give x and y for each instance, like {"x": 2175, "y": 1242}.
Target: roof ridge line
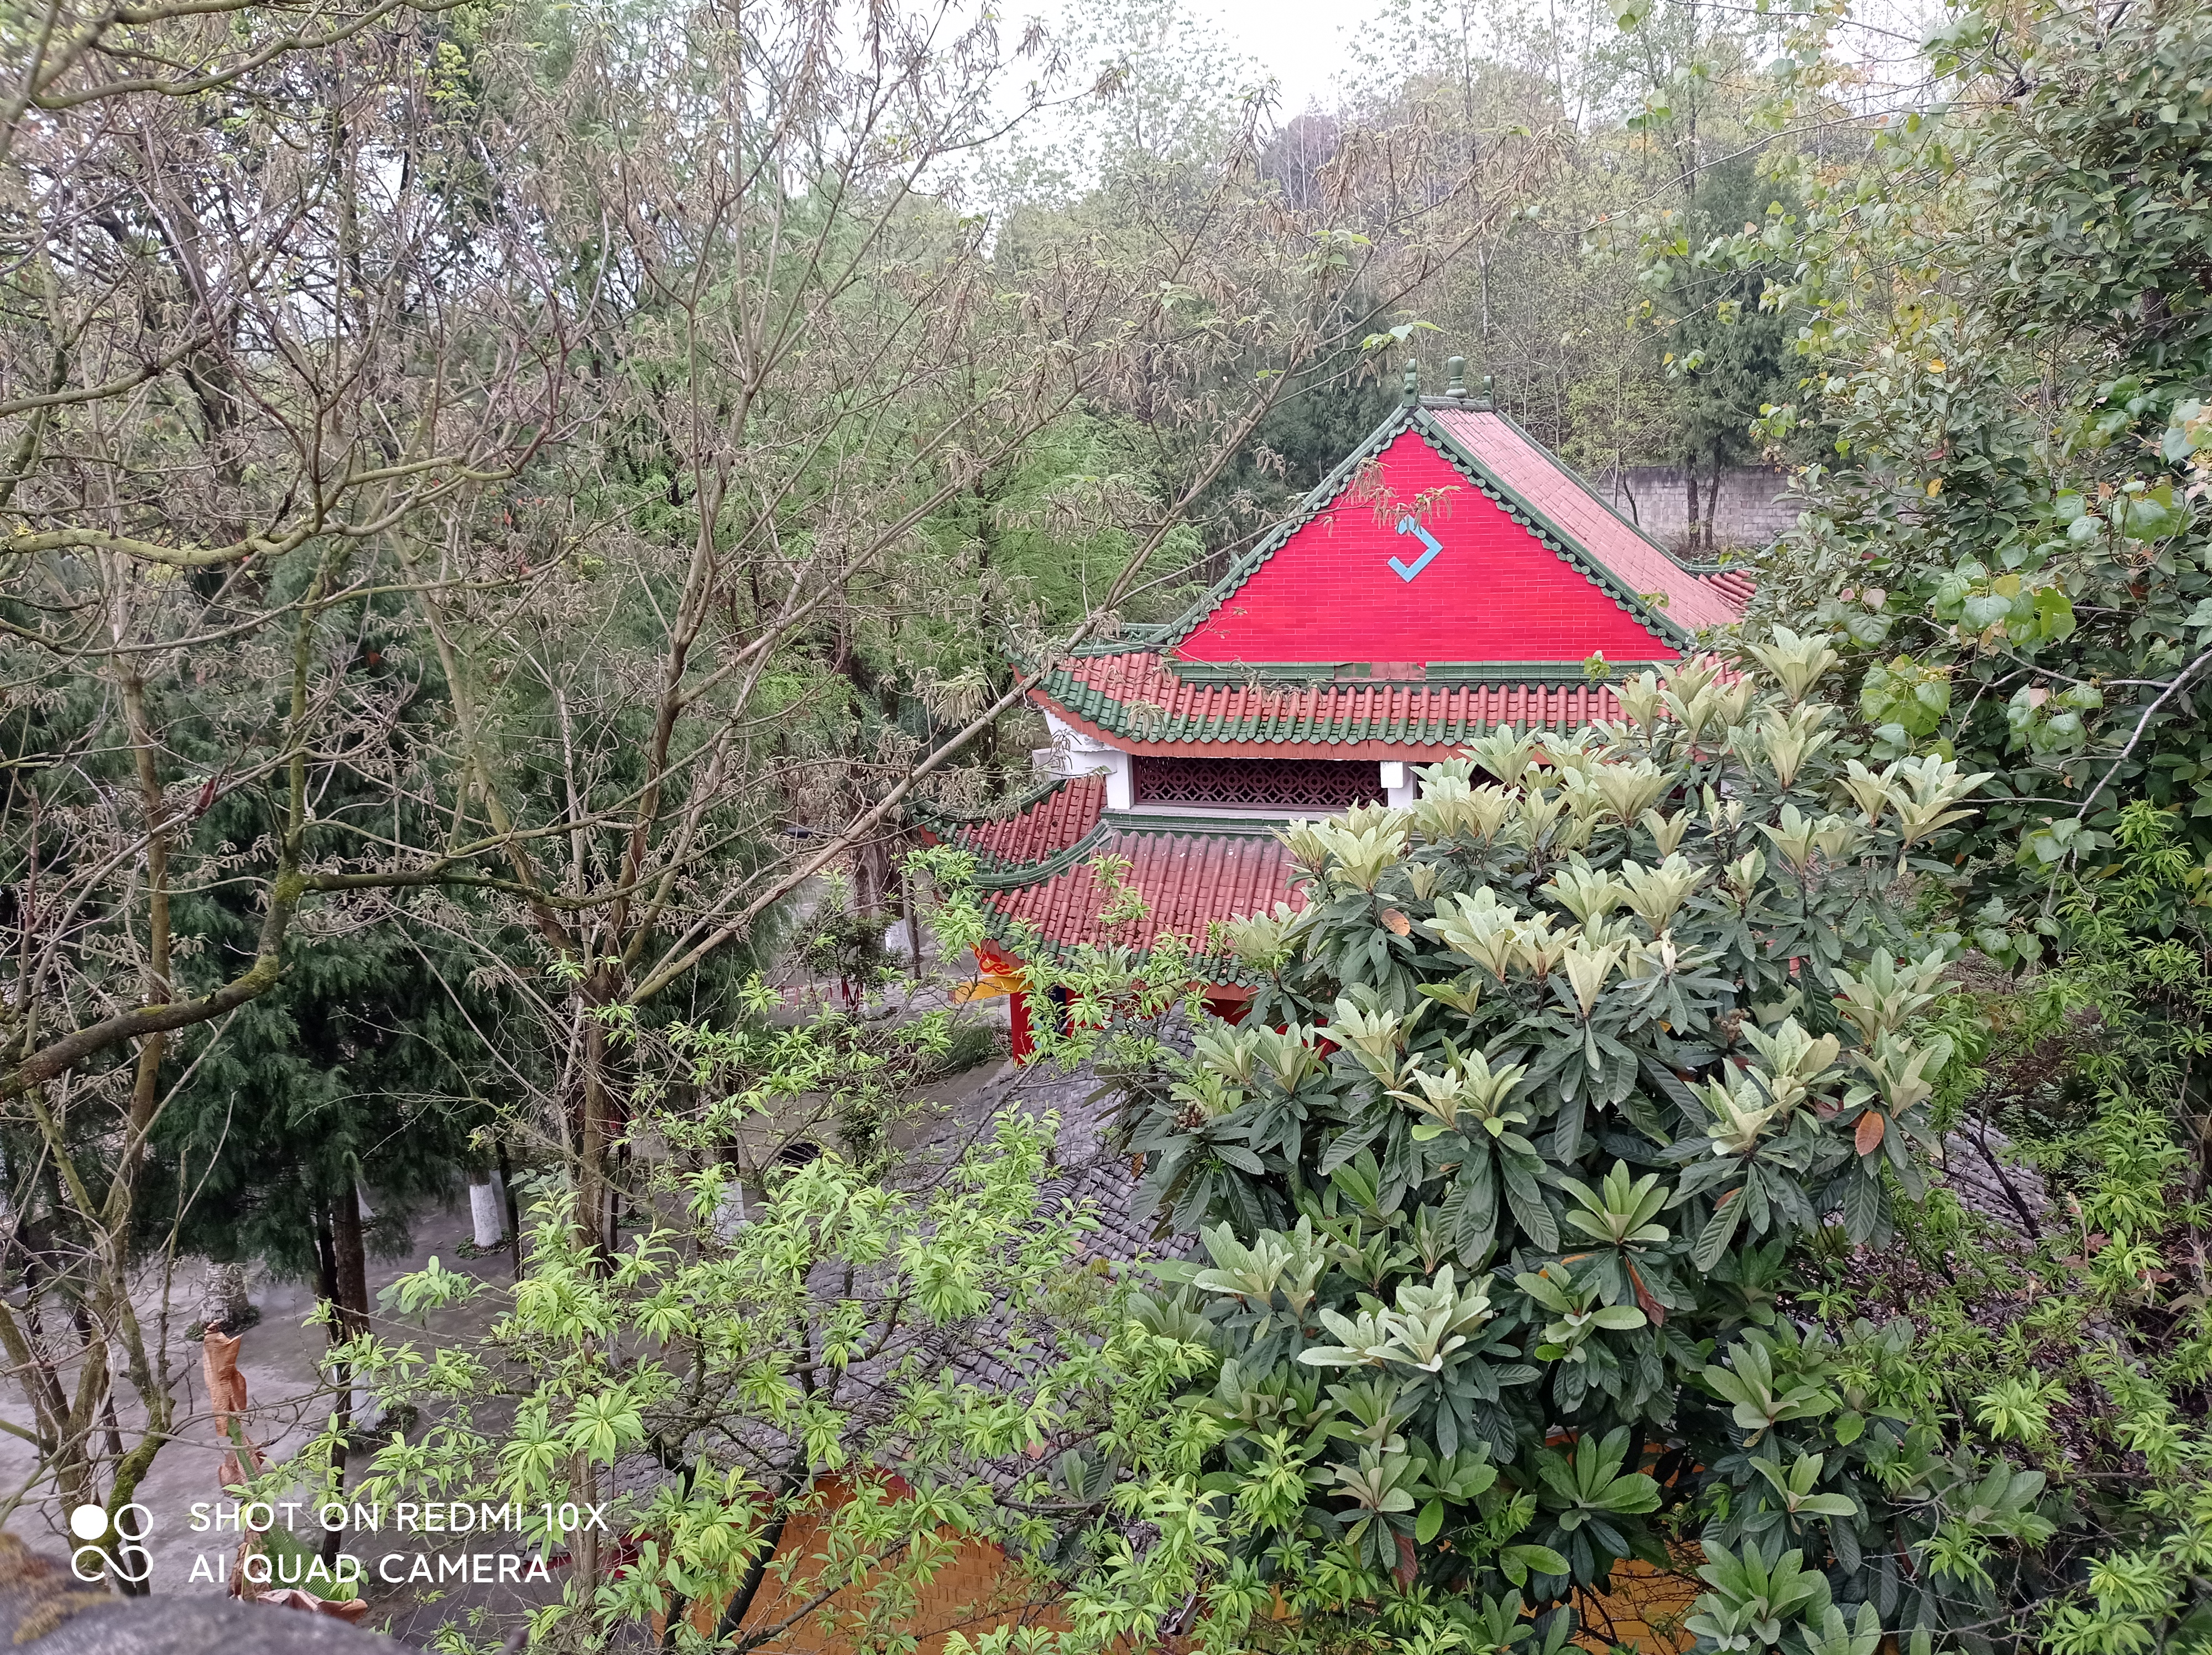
{"x": 1011, "y": 876}
{"x": 1304, "y": 716}
{"x": 1225, "y": 970}
{"x": 1548, "y": 531}
{"x": 1178, "y": 824}
{"x": 1014, "y": 805}
{"x": 1709, "y": 566}
{"x": 1317, "y": 500}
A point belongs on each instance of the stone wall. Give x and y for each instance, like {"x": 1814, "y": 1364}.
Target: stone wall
{"x": 1751, "y": 507}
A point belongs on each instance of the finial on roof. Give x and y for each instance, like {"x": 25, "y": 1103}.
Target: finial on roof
{"x": 1456, "y": 367}
{"x": 1486, "y": 402}
{"x": 1412, "y": 383}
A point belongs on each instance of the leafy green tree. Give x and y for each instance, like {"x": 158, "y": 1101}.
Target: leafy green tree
{"x": 1625, "y": 119}
{"x": 1727, "y": 357}
{"x": 901, "y": 1366}
{"x": 1328, "y": 411}
{"x": 2063, "y": 1327}
{"x": 2008, "y": 354}
{"x": 1498, "y": 1181}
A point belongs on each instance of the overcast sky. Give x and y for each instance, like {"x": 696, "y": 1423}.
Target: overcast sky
{"x": 1301, "y": 40}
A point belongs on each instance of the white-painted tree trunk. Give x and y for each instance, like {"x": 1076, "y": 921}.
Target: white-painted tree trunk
{"x": 487, "y": 1211}
{"x": 223, "y": 1302}
{"x": 730, "y": 1210}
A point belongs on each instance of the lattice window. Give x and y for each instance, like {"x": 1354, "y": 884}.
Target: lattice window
{"x": 1304, "y": 783}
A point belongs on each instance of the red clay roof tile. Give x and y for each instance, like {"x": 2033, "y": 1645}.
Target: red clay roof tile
{"x": 1136, "y": 701}
{"x": 1054, "y": 824}
{"x": 1733, "y": 585}
{"x": 1186, "y": 879}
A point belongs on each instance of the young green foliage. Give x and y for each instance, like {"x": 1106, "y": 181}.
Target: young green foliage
{"x": 893, "y": 1356}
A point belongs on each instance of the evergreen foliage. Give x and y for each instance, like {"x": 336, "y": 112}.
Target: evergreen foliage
{"x": 364, "y": 1068}
{"x": 2008, "y": 353}
{"x": 1498, "y": 1182}
{"x": 1727, "y": 357}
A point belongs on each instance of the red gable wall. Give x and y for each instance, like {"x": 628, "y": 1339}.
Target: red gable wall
{"x": 1494, "y": 593}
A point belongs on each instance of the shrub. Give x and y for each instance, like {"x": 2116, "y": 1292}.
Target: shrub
{"x": 1498, "y": 1179}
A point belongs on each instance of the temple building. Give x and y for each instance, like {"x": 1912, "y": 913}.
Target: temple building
{"x": 1449, "y": 576}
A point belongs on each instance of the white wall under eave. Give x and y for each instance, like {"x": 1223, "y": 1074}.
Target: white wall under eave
{"x": 1083, "y": 754}
{"x": 1077, "y": 752}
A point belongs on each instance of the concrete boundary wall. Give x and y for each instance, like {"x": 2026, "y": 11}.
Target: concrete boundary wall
{"x": 1753, "y": 507}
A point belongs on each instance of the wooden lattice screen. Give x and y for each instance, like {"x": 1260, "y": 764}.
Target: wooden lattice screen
{"x": 1303, "y": 783}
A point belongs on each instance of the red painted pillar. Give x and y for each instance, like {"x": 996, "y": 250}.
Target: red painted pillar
{"x": 1002, "y": 970}
{"x": 1227, "y": 1002}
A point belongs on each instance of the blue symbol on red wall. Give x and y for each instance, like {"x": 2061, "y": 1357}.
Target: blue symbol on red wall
{"x": 1407, "y": 571}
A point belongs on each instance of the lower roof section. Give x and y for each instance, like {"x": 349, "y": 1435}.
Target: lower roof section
{"x": 1135, "y": 702}
{"x": 1037, "y": 879}
{"x": 1044, "y": 825}
{"x": 1188, "y": 875}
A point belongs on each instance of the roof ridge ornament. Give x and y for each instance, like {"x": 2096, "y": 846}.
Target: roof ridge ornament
{"x": 1455, "y": 390}
{"x": 1412, "y": 395}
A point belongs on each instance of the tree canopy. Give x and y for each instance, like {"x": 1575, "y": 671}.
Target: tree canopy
{"x": 511, "y": 518}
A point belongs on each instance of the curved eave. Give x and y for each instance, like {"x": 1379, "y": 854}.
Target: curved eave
{"x": 1021, "y": 942}
{"x": 1307, "y": 739}
{"x": 946, "y": 823}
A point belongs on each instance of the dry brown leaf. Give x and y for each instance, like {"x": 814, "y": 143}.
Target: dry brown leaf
{"x": 1868, "y": 1136}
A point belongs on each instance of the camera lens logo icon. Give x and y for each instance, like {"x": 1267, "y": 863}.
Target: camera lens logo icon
{"x": 111, "y": 1545}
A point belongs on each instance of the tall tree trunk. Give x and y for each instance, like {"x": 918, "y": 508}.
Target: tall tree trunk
{"x": 332, "y": 1294}
{"x": 350, "y": 1272}
{"x": 155, "y": 987}
{"x": 1690, "y": 484}
{"x": 1712, "y": 503}
{"x": 910, "y": 918}
{"x": 514, "y": 1220}
{"x": 351, "y": 1259}
{"x": 41, "y": 1376}
{"x": 616, "y": 1185}
{"x": 741, "y": 1600}
{"x": 872, "y": 879}
{"x": 1482, "y": 265}
{"x": 591, "y": 1139}
{"x": 326, "y": 1268}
